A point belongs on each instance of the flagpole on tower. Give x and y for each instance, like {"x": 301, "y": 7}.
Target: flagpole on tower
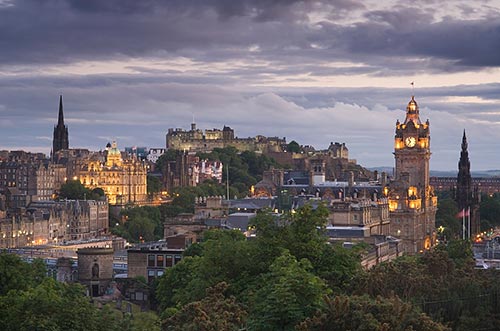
{"x": 463, "y": 224}
{"x": 468, "y": 215}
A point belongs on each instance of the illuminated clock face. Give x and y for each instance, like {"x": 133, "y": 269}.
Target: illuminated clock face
{"x": 410, "y": 141}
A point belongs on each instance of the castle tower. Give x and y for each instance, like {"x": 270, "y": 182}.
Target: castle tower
{"x": 95, "y": 269}
{"x": 412, "y": 203}
{"x": 466, "y": 196}
{"x": 61, "y": 139}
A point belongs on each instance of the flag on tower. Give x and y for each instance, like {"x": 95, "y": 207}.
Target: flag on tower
{"x": 464, "y": 212}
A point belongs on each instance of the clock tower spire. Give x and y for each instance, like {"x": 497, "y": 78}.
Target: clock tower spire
{"x": 412, "y": 202}
{"x": 412, "y": 147}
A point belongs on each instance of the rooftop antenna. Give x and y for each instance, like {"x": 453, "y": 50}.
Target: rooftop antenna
{"x": 193, "y": 124}
{"x": 412, "y": 89}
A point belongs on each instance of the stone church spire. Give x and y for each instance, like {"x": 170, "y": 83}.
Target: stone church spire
{"x": 60, "y": 121}
{"x": 61, "y": 139}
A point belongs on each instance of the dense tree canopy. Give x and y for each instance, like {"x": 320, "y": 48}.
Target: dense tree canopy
{"x": 443, "y": 283}
{"x": 18, "y": 275}
{"x": 169, "y": 155}
{"x": 490, "y": 211}
{"x": 153, "y": 185}
{"x": 244, "y": 169}
{"x": 275, "y": 276}
{"x": 140, "y": 224}
{"x": 74, "y": 190}
{"x": 364, "y": 313}
{"x": 289, "y": 277}
{"x": 446, "y": 217}
{"x": 31, "y": 301}
{"x": 216, "y": 311}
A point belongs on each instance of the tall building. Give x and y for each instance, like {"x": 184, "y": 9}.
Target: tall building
{"x": 412, "y": 203}
{"x": 61, "y": 140}
{"x": 467, "y": 197}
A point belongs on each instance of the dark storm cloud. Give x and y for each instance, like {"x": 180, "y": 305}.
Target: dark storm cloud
{"x": 64, "y": 31}
{"x": 259, "y": 10}
{"x": 412, "y": 32}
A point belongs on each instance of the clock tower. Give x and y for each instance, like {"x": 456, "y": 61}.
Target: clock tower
{"x": 412, "y": 202}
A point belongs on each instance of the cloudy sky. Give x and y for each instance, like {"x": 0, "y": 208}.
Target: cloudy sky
{"x": 311, "y": 71}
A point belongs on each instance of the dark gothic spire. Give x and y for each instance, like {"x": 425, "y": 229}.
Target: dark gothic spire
{"x": 60, "y": 121}
{"x": 61, "y": 139}
{"x": 464, "y": 143}
{"x": 464, "y": 179}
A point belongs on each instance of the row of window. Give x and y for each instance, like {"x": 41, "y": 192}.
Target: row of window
{"x": 163, "y": 260}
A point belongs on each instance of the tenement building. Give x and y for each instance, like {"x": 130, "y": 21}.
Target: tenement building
{"x": 412, "y": 203}
{"x": 52, "y": 222}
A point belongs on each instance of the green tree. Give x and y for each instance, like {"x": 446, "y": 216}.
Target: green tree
{"x": 141, "y": 223}
{"x": 140, "y": 229}
{"x": 98, "y": 192}
{"x": 293, "y": 147}
{"x": 363, "y": 313}
{"x": 74, "y": 190}
{"x": 15, "y": 274}
{"x": 48, "y": 306}
{"x": 216, "y": 312}
{"x": 181, "y": 284}
{"x": 145, "y": 321}
{"x": 289, "y": 294}
{"x": 446, "y": 217}
{"x": 153, "y": 185}
{"x": 222, "y": 257}
{"x": 245, "y": 169}
{"x": 460, "y": 251}
{"x": 490, "y": 209}
{"x": 169, "y": 155}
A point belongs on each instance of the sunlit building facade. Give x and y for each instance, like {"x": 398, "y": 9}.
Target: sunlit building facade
{"x": 412, "y": 202}
{"x": 122, "y": 177}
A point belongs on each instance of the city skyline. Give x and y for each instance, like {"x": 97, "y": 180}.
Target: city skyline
{"x": 311, "y": 71}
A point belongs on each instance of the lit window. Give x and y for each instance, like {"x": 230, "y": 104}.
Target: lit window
{"x": 160, "y": 260}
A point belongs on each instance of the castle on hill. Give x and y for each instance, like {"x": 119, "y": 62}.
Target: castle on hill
{"x": 195, "y": 140}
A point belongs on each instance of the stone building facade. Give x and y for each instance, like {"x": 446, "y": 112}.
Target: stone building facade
{"x": 52, "y": 222}
{"x": 151, "y": 260}
{"x": 372, "y": 215}
{"x": 122, "y": 177}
